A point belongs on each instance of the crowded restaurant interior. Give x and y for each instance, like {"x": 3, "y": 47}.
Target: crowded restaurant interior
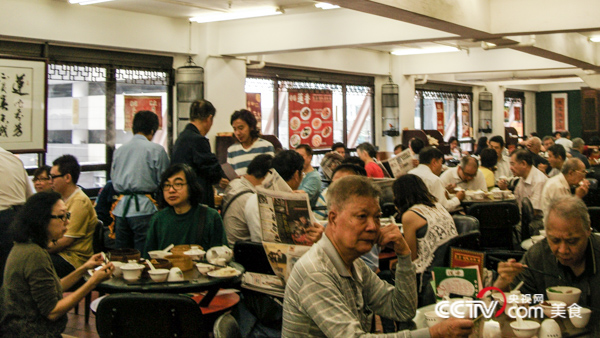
{"x": 299, "y": 168}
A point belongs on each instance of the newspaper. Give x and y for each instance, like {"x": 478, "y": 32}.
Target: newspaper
{"x": 330, "y": 161}
{"x": 399, "y": 165}
{"x": 285, "y": 218}
{"x": 269, "y": 284}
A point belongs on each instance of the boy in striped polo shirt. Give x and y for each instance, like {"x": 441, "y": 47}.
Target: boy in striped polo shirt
{"x": 249, "y": 145}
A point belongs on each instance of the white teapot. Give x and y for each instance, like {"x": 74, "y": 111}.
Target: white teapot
{"x": 219, "y": 254}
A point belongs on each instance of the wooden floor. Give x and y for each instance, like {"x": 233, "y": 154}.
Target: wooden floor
{"x": 77, "y": 326}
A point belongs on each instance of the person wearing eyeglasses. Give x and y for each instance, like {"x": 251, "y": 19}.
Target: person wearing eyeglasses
{"x": 572, "y": 175}
{"x": 182, "y": 219}
{"x": 465, "y": 175}
{"x": 31, "y": 298}
{"x": 75, "y": 247}
{"x": 41, "y": 179}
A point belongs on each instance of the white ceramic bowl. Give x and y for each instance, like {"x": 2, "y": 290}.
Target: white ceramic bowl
{"x": 553, "y": 304}
{"x": 543, "y": 233}
{"x": 565, "y": 294}
{"x": 195, "y": 254}
{"x": 158, "y": 254}
{"x": 159, "y": 275}
{"x": 432, "y": 318}
{"x": 132, "y": 271}
{"x": 583, "y": 319}
{"x": 536, "y": 238}
{"x": 117, "y": 272}
{"x": 204, "y": 268}
{"x": 527, "y": 329}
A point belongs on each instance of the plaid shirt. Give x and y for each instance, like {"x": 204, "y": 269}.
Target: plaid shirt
{"x": 323, "y": 298}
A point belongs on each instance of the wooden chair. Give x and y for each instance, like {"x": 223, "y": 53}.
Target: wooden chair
{"x": 149, "y": 315}
{"x": 595, "y": 217}
{"x": 526, "y": 219}
{"x": 252, "y": 256}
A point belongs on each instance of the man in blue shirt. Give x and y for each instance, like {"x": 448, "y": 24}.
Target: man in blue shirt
{"x": 136, "y": 169}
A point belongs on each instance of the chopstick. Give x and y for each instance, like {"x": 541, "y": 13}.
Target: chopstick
{"x": 529, "y": 268}
{"x": 206, "y": 262}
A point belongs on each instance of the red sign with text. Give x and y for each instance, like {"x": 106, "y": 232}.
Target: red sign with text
{"x": 253, "y": 105}
{"x": 310, "y": 118}
{"x": 439, "y": 108}
{"x": 134, "y": 104}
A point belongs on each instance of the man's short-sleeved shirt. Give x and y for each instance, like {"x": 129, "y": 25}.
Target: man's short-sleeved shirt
{"x": 81, "y": 227}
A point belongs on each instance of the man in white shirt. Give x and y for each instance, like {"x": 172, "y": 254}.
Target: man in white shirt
{"x": 565, "y": 141}
{"x": 556, "y": 157}
{"x": 466, "y": 176}
{"x": 573, "y": 174}
{"x": 429, "y": 169}
{"x": 530, "y": 185}
{"x": 503, "y": 166}
{"x": 14, "y": 190}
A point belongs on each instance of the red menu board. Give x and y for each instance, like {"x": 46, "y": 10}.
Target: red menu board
{"x": 134, "y": 104}
{"x": 311, "y": 118}
{"x": 253, "y": 105}
{"x": 439, "y": 108}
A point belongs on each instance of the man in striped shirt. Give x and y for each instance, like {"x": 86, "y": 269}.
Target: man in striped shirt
{"x": 332, "y": 293}
{"x": 249, "y": 145}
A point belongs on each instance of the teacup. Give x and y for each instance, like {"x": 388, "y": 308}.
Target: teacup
{"x": 117, "y": 272}
{"x": 175, "y": 275}
{"x": 132, "y": 271}
{"x": 580, "y": 320}
{"x": 433, "y": 318}
{"x": 219, "y": 252}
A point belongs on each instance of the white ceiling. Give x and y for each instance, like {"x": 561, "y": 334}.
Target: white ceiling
{"x": 556, "y": 31}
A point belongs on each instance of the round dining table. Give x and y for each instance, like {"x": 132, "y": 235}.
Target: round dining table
{"x": 193, "y": 282}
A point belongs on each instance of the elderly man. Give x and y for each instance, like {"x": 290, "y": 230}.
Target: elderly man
{"x": 570, "y": 255}
{"x": 577, "y": 150}
{"x": 332, "y": 293}
{"x": 466, "y": 176}
{"x": 531, "y": 183}
{"x": 547, "y": 142}
{"x": 502, "y": 166}
{"x": 534, "y": 145}
{"x": 556, "y": 157}
{"x": 573, "y": 174}
{"x": 429, "y": 169}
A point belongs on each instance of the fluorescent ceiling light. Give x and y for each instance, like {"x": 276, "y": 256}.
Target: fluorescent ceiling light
{"x": 595, "y": 39}
{"x": 430, "y": 50}
{"x": 87, "y": 2}
{"x": 235, "y": 15}
{"x": 324, "y": 5}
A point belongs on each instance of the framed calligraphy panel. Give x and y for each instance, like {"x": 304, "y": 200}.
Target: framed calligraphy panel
{"x": 560, "y": 112}
{"x": 23, "y": 104}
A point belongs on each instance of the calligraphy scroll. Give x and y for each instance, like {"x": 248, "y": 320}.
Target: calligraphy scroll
{"x": 134, "y": 104}
{"x": 439, "y": 109}
{"x": 23, "y": 105}
{"x": 560, "y": 112}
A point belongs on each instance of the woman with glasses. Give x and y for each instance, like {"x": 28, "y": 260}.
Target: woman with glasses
{"x": 41, "y": 179}
{"x": 427, "y": 225}
{"x": 31, "y": 298}
{"x": 182, "y": 219}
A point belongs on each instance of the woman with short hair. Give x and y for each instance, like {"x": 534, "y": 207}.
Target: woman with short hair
{"x": 41, "y": 179}
{"x": 31, "y": 298}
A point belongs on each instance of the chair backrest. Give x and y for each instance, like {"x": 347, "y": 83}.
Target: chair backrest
{"x": 98, "y": 238}
{"x": 465, "y": 224}
{"x": 226, "y": 327}
{"x": 469, "y": 240}
{"x": 594, "y": 217}
{"x": 526, "y": 218}
{"x": 149, "y": 315}
{"x": 497, "y": 221}
{"x": 252, "y": 256}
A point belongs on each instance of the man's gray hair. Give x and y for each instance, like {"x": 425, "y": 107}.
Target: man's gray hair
{"x": 578, "y": 143}
{"x": 572, "y": 164}
{"x": 536, "y": 141}
{"x": 340, "y": 191}
{"x": 468, "y": 160}
{"x": 569, "y": 208}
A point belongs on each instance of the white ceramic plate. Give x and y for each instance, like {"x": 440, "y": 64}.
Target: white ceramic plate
{"x": 221, "y": 273}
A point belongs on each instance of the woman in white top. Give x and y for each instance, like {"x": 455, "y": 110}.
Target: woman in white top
{"x": 426, "y": 224}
